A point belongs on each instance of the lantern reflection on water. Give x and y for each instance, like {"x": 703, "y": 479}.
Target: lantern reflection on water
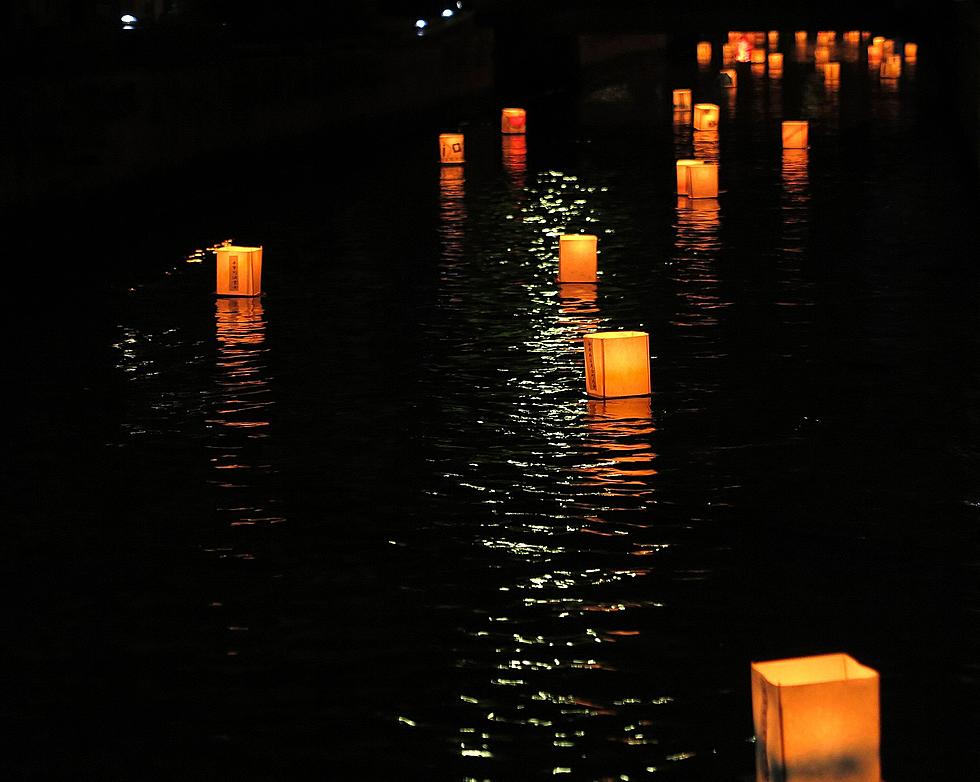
{"x": 514, "y": 149}
{"x": 821, "y": 55}
{"x": 816, "y": 718}
{"x": 577, "y": 258}
{"x": 831, "y": 73}
{"x": 682, "y": 99}
{"x": 619, "y": 438}
{"x": 452, "y": 218}
{"x": 706, "y": 116}
{"x": 706, "y": 146}
{"x": 451, "y": 148}
{"x": 775, "y": 63}
{"x": 617, "y": 363}
{"x": 513, "y": 121}
{"x": 681, "y": 168}
{"x": 239, "y": 270}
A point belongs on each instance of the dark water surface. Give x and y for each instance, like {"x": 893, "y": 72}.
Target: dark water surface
{"x": 370, "y": 527}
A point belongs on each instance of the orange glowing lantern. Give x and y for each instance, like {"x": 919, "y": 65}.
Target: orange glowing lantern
{"x": 775, "y": 61}
{"x": 874, "y": 54}
{"x": 757, "y": 57}
{"x": 800, "y": 37}
{"x": 728, "y": 53}
{"x": 816, "y": 718}
{"x": 513, "y": 121}
{"x": 831, "y": 72}
{"x": 704, "y": 52}
{"x": 773, "y": 36}
{"x": 577, "y": 258}
{"x": 451, "y": 148}
{"x": 827, "y": 37}
{"x": 743, "y": 51}
{"x": 878, "y": 40}
{"x": 728, "y": 77}
{"x": 702, "y": 181}
{"x": 706, "y": 116}
{"x": 852, "y": 37}
{"x": 682, "y": 174}
{"x": 734, "y": 36}
{"x": 891, "y": 67}
{"x": 911, "y": 52}
{"x": 617, "y": 364}
{"x": 758, "y": 38}
{"x": 682, "y": 99}
{"x": 821, "y": 55}
{"x": 795, "y": 134}
{"x": 239, "y": 271}
{"x": 888, "y": 46}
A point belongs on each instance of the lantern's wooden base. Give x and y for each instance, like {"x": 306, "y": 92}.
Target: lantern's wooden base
{"x": 625, "y": 396}
{"x": 238, "y": 295}
{"x": 560, "y": 281}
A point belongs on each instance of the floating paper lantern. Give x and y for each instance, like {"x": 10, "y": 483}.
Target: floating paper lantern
{"x": 239, "y": 271}
{"x": 617, "y": 364}
{"x": 874, "y": 55}
{"x": 729, "y": 51}
{"x": 758, "y": 57}
{"x": 451, "y": 148}
{"x": 773, "y": 36}
{"x": 577, "y": 258}
{"x": 702, "y": 181}
{"x": 704, "y": 52}
{"x": 728, "y": 77}
{"x": 734, "y": 36}
{"x": 911, "y": 51}
{"x": 775, "y": 61}
{"x": 706, "y": 116}
{"x": 878, "y": 40}
{"x": 852, "y": 37}
{"x": 831, "y": 72}
{"x": 682, "y": 174}
{"x": 513, "y": 121}
{"x": 816, "y": 719}
{"x": 826, "y": 37}
{"x": 800, "y": 36}
{"x": 888, "y": 47}
{"x": 682, "y": 99}
{"x": 891, "y": 67}
{"x": 795, "y": 134}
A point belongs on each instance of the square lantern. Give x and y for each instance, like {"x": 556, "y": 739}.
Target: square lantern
{"x": 758, "y": 57}
{"x": 617, "y": 363}
{"x": 775, "y": 61}
{"x": 682, "y": 174}
{"x": 888, "y": 46}
{"x": 682, "y": 99}
{"x": 728, "y": 77}
{"x": 706, "y": 116}
{"x": 239, "y": 271}
{"x": 773, "y": 37}
{"x": 795, "y": 134}
{"x": 816, "y": 719}
{"x": 513, "y": 121}
{"x": 451, "y": 148}
{"x": 729, "y": 52}
{"x": 800, "y": 37}
{"x": 891, "y": 67}
{"x": 852, "y": 37}
{"x": 702, "y": 181}
{"x": 704, "y": 52}
{"x": 911, "y": 51}
{"x": 878, "y": 40}
{"x": 577, "y": 258}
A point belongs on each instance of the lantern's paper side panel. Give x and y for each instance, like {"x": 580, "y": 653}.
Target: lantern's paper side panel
{"x": 257, "y": 272}
{"x": 831, "y": 731}
{"x": 594, "y": 367}
{"x": 768, "y": 729}
{"x": 627, "y": 366}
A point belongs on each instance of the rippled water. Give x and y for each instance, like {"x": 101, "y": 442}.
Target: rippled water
{"x": 371, "y": 525}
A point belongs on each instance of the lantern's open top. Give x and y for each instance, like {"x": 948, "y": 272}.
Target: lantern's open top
{"x": 819, "y": 669}
{"x": 616, "y": 334}
{"x": 234, "y": 248}
{"x": 577, "y": 238}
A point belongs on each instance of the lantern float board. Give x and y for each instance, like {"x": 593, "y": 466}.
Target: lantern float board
{"x": 795, "y": 134}
{"x": 758, "y": 57}
{"x": 911, "y": 51}
{"x": 239, "y": 271}
{"x": 775, "y": 61}
{"x": 704, "y": 52}
{"x": 451, "y": 148}
{"x": 891, "y": 67}
{"x": 728, "y": 77}
{"x": 706, "y": 116}
{"x": 577, "y": 258}
{"x": 513, "y": 121}
{"x": 617, "y": 364}
{"x": 682, "y": 174}
{"x": 702, "y": 181}
{"x": 682, "y": 99}
{"x": 816, "y": 719}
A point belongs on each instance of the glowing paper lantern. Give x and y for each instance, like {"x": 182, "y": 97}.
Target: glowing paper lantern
{"x": 704, "y": 52}
{"x": 795, "y": 133}
{"x": 706, "y": 116}
{"x": 800, "y": 36}
{"x": 888, "y": 46}
{"x": 852, "y": 37}
{"x": 758, "y": 57}
{"x": 451, "y": 148}
{"x": 775, "y": 61}
{"x": 728, "y": 77}
{"x": 831, "y": 72}
{"x": 821, "y": 55}
{"x": 617, "y": 364}
{"x": 513, "y": 121}
{"x": 577, "y": 258}
{"x": 891, "y": 67}
{"x": 758, "y": 38}
{"x": 773, "y": 36}
{"x": 682, "y": 174}
{"x": 702, "y": 181}
{"x": 826, "y": 37}
{"x": 878, "y": 40}
{"x": 874, "y": 55}
{"x": 239, "y": 271}
{"x": 734, "y": 36}
{"x": 911, "y": 51}
{"x": 816, "y": 719}
{"x": 682, "y": 99}
{"x": 729, "y": 51}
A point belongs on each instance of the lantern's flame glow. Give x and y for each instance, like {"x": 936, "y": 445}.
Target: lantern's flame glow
{"x": 744, "y": 53}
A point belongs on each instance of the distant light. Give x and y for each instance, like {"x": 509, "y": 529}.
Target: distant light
{"x": 459, "y": 4}
{"x": 447, "y": 13}
{"x": 421, "y": 23}
{"x": 128, "y": 19}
